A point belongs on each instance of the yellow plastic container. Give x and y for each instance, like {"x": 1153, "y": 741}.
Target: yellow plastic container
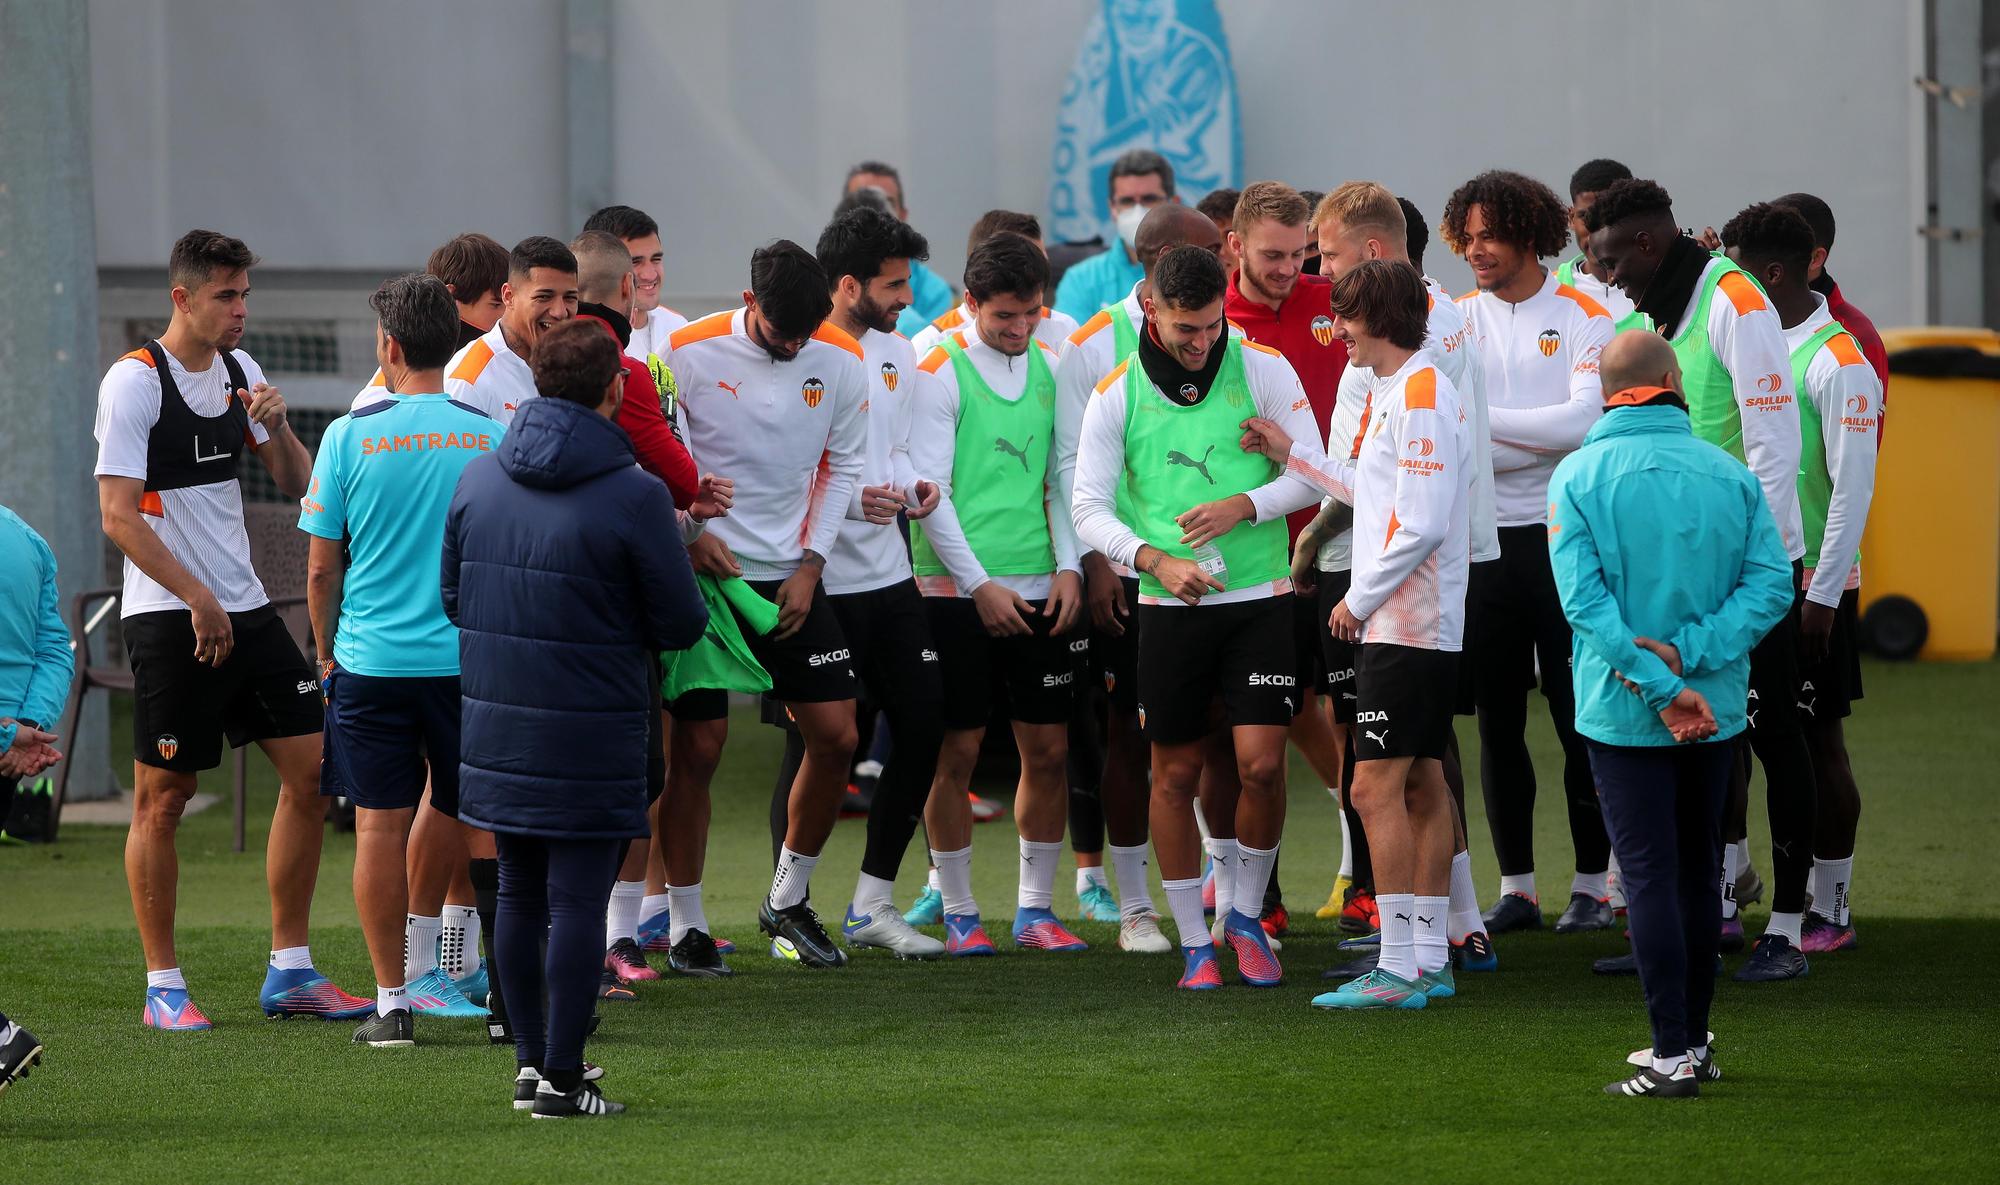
{"x": 1933, "y": 532}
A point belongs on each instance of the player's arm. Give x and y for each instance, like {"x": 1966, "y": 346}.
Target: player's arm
{"x": 1587, "y": 603}
{"x": 1100, "y": 459}
{"x": 659, "y": 451}
{"x": 1752, "y": 346}
{"x": 1762, "y": 595}
{"x": 323, "y": 517}
{"x": 1281, "y": 399}
{"x": 846, "y": 445}
{"x": 278, "y": 448}
{"x": 1850, "y": 440}
{"x": 933, "y": 449}
{"x": 1560, "y": 427}
{"x": 1425, "y": 489}
{"x": 1074, "y": 384}
{"x": 326, "y": 578}
{"x": 118, "y": 511}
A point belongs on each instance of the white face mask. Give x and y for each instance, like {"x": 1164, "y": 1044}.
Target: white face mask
{"x": 1128, "y": 227}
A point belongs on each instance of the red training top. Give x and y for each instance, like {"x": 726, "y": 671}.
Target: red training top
{"x": 1302, "y": 330}
{"x": 658, "y": 450}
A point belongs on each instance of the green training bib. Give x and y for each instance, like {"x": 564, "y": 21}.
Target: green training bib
{"x": 1711, "y": 394}
{"x": 1815, "y": 482}
{"x": 998, "y": 471}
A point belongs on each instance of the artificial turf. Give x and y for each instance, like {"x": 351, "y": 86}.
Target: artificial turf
{"x": 1049, "y": 1067}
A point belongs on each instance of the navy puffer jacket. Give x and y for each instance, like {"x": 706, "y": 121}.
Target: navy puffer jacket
{"x": 564, "y": 572}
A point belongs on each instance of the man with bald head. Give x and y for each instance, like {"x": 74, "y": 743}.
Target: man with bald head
{"x": 1120, "y": 804}
{"x": 1669, "y": 567}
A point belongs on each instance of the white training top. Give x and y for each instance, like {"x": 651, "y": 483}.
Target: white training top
{"x": 933, "y": 450}
{"x": 1539, "y": 360}
{"x": 1845, "y": 390}
{"x": 656, "y": 337}
{"x": 1277, "y": 395}
{"x": 1747, "y": 338}
{"x": 1450, "y": 341}
{"x": 791, "y": 434}
{"x": 486, "y": 375}
{"x": 1611, "y": 296}
{"x": 1053, "y": 330}
{"x": 867, "y": 555}
{"x": 202, "y": 526}
{"x": 1410, "y": 488}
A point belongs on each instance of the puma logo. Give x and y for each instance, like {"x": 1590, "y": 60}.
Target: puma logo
{"x": 1002, "y": 445}
{"x": 1381, "y": 738}
{"x": 1402, "y": 917}
{"x": 1177, "y": 457}
{"x": 730, "y": 387}
{"x": 1426, "y": 921}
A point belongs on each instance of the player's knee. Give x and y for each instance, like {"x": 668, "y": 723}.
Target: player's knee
{"x": 161, "y": 801}
{"x": 833, "y": 742}
{"x": 1261, "y": 773}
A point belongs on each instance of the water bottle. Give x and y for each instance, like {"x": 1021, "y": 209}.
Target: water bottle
{"x": 1209, "y": 559}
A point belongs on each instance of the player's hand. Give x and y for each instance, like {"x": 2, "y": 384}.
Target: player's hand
{"x": 1106, "y": 595}
{"x": 1344, "y": 624}
{"x": 1815, "y": 632}
{"x": 1065, "y": 602}
{"x": 1667, "y": 653}
{"x": 927, "y": 494}
{"x": 214, "y": 637}
{"x": 795, "y": 598}
{"x": 713, "y": 498}
{"x": 1002, "y": 611}
{"x": 711, "y": 557}
{"x": 1688, "y": 717}
{"x": 1305, "y": 562}
{"x": 1264, "y": 436}
{"x": 1185, "y": 579}
{"x": 1212, "y": 520}
{"x": 266, "y": 404}
{"x": 1709, "y": 240}
{"x": 879, "y": 504}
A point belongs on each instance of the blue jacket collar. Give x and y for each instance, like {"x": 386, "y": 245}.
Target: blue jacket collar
{"x": 1640, "y": 421}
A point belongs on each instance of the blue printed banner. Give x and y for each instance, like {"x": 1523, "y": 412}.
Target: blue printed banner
{"x": 1149, "y": 74}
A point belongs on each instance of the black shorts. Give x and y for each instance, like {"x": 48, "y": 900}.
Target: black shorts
{"x": 1405, "y": 706}
{"x": 384, "y": 736}
{"x": 813, "y": 666}
{"x": 1337, "y": 654}
{"x": 1311, "y": 668}
{"x": 1773, "y": 706}
{"x": 1032, "y": 676}
{"x": 1241, "y": 653}
{"x": 1116, "y": 659}
{"x": 181, "y": 708}
{"x": 1829, "y": 687}
{"x": 889, "y": 630}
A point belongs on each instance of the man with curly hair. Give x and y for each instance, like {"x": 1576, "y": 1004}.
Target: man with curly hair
{"x": 1737, "y": 375}
{"x": 1539, "y": 339}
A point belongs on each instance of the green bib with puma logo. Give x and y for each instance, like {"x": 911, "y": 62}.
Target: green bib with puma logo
{"x": 1178, "y": 457}
{"x": 998, "y": 470}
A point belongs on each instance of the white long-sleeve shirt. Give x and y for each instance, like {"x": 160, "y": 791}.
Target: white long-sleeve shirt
{"x": 791, "y": 434}
{"x": 1539, "y": 362}
{"x": 1747, "y": 338}
{"x": 1410, "y": 487}
{"x": 870, "y": 555}
{"x": 1451, "y": 341}
{"x": 1053, "y": 330}
{"x": 1846, "y": 392}
{"x": 1277, "y": 395}
{"x": 487, "y": 375}
{"x": 933, "y": 453}
{"x": 1091, "y": 354}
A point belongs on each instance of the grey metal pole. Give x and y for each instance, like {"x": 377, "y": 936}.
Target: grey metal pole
{"x": 48, "y": 312}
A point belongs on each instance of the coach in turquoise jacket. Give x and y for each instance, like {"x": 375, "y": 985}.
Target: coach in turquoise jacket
{"x": 35, "y": 662}
{"x": 1670, "y": 569}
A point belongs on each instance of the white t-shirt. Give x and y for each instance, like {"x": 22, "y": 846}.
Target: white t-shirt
{"x": 202, "y": 526}
{"x": 490, "y": 377}
{"x": 869, "y": 555}
{"x": 654, "y": 338}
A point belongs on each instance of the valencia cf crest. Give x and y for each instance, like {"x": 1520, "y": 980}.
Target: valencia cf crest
{"x": 167, "y": 745}
{"x": 1323, "y": 329}
{"x": 889, "y": 375}
{"x": 1189, "y": 392}
{"x": 1550, "y": 341}
{"x": 813, "y": 391}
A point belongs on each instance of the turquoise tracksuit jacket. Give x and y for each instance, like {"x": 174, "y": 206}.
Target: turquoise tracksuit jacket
{"x": 1653, "y": 533}
{"x": 35, "y": 662}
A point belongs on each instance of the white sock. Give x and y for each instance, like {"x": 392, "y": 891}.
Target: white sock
{"x": 1135, "y": 893}
{"x": 420, "y": 943}
{"x": 1699, "y": 1053}
{"x": 792, "y": 882}
{"x": 458, "y": 942}
{"x": 621, "y": 915}
{"x": 1086, "y": 877}
{"x": 1594, "y": 885}
{"x": 872, "y": 893}
{"x": 170, "y": 978}
{"x": 653, "y": 905}
{"x": 1730, "y": 854}
{"x": 1786, "y": 924}
{"x": 1253, "y": 876}
{"x": 1428, "y": 932}
{"x": 1346, "y": 835}
{"x": 953, "y": 871}
{"x": 1225, "y": 855}
{"x": 685, "y": 912}
{"x": 388, "y": 999}
{"x": 931, "y": 879}
{"x": 1184, "y": 902}
{"x": 1836, "y": 878}
{"x": 1399, "y": 950}
{"x": 1669, "y": 1065}
{"x": 1523, "y": 884}
{"x": 292, "y": 958}
{"x": 1038, "y": 874}
{"x": 1464, "y": 910}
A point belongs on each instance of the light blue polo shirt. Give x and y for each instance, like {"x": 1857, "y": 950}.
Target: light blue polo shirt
{"x": 383, "y": 480}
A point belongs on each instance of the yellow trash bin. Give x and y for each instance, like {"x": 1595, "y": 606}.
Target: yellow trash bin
{"x": 1930, "y": 558}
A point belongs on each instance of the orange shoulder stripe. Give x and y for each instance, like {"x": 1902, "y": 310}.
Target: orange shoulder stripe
{"x": 1589, "y": 306}
{"x": 713, "y": 325}
{"x": 1117, "y": 372}
{"x": 1845, "y": 350}
{"x": 475, "y": 360}
{"x": 140, "y": 356}
{"x": 933, "y": 360}
{"x": 950, "y": 319}
{"x": 1250, "y": 345}
{"x": 1742, "y": 292}
{"x": 834, "y": 335}
{"x": 1421, "y": 389}
{"x": 1102, "y": 319}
